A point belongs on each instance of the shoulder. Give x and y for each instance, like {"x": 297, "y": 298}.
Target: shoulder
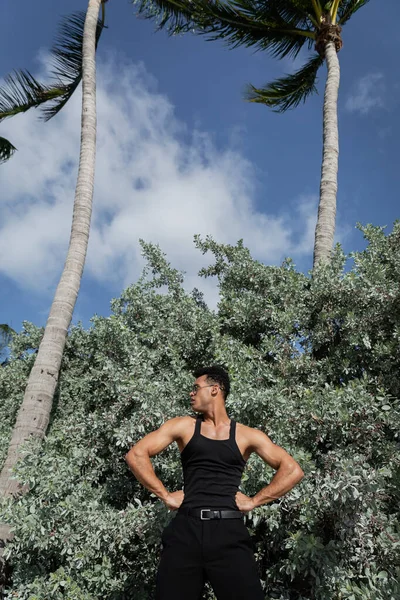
{"x": 246, "y": 430}
{"x": 179, "y": 424}
{"x": 252, "y": 435}
{"x": 257, "y": 441}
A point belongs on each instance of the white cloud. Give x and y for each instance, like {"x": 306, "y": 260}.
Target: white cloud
{"x": 368, "y": 94}
{"x": 155, "y": 180}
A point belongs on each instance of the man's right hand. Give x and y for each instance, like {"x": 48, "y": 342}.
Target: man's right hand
{"x": 174, "y": 500}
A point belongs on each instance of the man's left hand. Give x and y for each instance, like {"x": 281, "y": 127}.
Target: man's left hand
{"x": 244, "y": 503}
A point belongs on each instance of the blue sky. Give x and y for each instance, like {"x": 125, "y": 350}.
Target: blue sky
{"x": 172, "y": 115}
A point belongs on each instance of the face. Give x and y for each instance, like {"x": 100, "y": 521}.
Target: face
{"x": 205, "y": 394}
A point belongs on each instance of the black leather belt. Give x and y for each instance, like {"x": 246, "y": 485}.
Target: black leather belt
{"x": 207, "y": 514}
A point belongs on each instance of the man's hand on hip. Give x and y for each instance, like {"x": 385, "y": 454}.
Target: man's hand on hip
{"x": 243, "y": 502}
{"x": 174, "y": 500}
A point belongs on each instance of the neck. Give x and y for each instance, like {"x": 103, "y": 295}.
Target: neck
{"x": 216, "y": 415}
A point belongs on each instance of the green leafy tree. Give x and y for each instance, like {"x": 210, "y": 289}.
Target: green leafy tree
{"x": 87, "y": 529}
{"x": 282, "y": 28}
{"x": 74, "y": 60}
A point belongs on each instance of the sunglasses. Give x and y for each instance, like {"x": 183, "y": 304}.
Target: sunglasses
{"x": 197, "y": 387}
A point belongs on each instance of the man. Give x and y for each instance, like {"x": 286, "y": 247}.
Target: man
{"x": 207, "y": 540}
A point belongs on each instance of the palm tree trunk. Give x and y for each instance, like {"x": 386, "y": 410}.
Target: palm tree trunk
{"x": 325, "y": 229}
{"x": 34, "y": 413}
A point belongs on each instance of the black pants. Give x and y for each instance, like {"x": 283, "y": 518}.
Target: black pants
{"x": 194, "y": 551}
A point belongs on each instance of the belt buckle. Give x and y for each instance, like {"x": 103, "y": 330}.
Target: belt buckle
{"x": 201, "y": 514}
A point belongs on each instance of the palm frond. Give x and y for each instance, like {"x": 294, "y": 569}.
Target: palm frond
{"x": 174, "y": 15}
{"x": 236, "y": 22}
{"x": 22, "y": 92}
{"x": 297, "y": 13}
{"x": 6, "y": 329}
{"x": 348, "y": 8}
{"x": 67, "y": 59}
{"x": 6, "y": 152}
{"x": 6, "y": 333}
{"x": 287, "y": 92}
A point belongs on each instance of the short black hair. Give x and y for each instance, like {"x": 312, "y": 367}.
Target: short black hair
{"x": 216, "y": 374}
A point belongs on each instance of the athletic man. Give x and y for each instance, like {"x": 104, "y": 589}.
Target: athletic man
{"x": 208, "y": 540}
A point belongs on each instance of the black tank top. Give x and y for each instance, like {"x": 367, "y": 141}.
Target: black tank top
{"x": 212, "y": 470}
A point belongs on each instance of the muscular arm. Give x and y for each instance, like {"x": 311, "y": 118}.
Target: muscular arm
{"x": 288, "y": 471}
{"x": 138, "y": 458}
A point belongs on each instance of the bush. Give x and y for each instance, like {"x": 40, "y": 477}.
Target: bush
{"x": 314, "y": 363}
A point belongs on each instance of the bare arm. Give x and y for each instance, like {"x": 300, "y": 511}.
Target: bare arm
{"x": 288, "y": 472}
{"x": 138, "y": 459}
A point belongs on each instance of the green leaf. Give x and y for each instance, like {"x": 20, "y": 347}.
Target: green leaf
{"x": 287, "y": 92}
{"x": 382, "y": 575}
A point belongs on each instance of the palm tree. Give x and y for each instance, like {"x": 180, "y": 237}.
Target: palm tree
{"x": 75, "y": 54}
{"x": 282, "y": 28}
